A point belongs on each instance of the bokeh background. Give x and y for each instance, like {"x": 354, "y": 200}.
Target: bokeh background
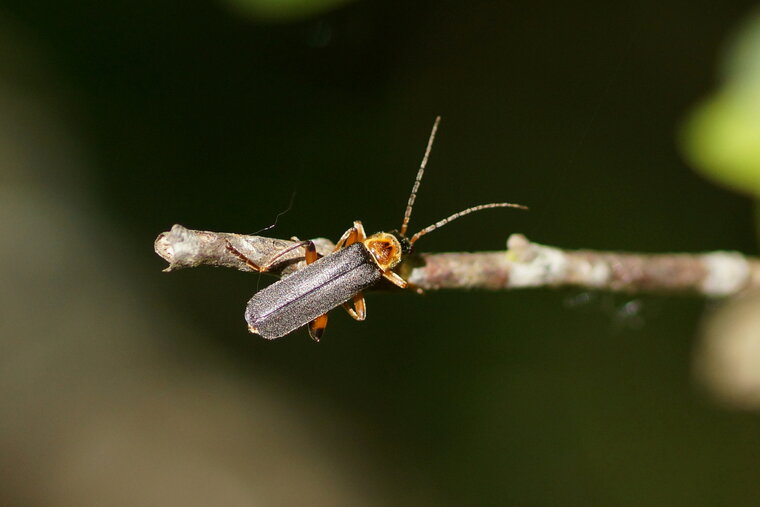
{"x": 123, "y": 385}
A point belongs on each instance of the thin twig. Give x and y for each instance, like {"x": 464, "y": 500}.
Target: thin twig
{"x": 524, "y": 264}
{"x": 186, "y": 248}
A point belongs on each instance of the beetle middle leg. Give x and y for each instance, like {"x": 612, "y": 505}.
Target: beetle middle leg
{"x": 354, "y": 235}
{"x": 359, "y": 309}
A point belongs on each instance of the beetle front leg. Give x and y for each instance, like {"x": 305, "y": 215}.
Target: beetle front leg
{"x": 395, "y": 279}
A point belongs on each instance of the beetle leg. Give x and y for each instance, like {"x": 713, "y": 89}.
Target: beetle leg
{"x": 311, "y": 252}
{"x": 308, "y": 244}
{"x": 317, "y": 327}
{"x": 310, "y": 256}
{"x": 344, "y": 238}
{"x": 354, "y": 235}
{"x": 237, "y": 253}
{"x": 395, "y": 279}
{"x": 359, "y": 310}
{"x": 360, "y": 234}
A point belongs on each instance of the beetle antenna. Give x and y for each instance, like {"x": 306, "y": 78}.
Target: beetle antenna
{"x": 462, "y": 213}
{"x": 418, "y": 179}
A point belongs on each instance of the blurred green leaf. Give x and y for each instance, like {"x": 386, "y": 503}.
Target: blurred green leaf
{"x": 723, "y": 139}
{"x": 722, "y": 135}
{"x": 284, "y": 10}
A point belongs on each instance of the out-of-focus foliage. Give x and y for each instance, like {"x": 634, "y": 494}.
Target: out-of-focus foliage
{"x": 722, "y": 137}
{"x": 728, "y": 357}
{"x": 123, "y": 385}
{"x": 722, "y": 140}
{"x": 284, "y": 9}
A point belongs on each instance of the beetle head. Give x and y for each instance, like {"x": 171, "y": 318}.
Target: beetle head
{"x": 406, "y": 245}
{"x": 385, "y": 248}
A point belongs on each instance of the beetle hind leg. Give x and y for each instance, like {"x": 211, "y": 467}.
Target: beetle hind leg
{"x": 310, "y": 255}
{"x": 240, "y": 255}
{"x": 311, "y": 252}
{"x": 317, "y": 327}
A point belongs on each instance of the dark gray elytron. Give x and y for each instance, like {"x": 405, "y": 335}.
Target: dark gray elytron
{"x": 312, "y": 291}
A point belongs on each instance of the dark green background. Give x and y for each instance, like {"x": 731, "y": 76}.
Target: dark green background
{"x": 195, "y": 114}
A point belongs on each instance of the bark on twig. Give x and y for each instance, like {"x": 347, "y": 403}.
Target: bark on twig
{"x": 523, "y": 264}
{"x": 186, "y": 248}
